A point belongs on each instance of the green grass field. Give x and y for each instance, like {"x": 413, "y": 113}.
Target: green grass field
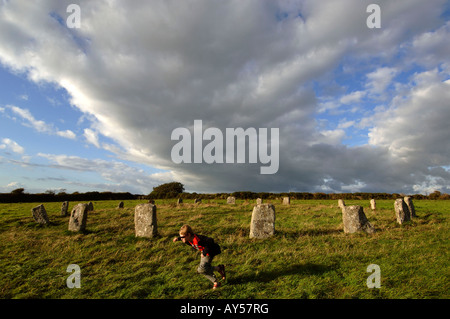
{"x": 309, "y": 257}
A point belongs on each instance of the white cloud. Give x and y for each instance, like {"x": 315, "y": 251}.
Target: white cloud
{"x": 380, "y": 79}
{"x": 39, "y": 125}
{"x": 354, "y": 97}
{"x": 91, "y": 137}
{"x": 9, "y": 144}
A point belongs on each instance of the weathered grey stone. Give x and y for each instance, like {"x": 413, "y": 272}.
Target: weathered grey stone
{"x": 64, "y": 208}
{"x": 355, "y": 220}
{"x": 179, "y": 201}
{"x": 401, "y": 211}
{"x": 197, "y": 201}
{"x": 231, "y": 200}
{"x": 373, "y": 204}
{"x": 286, "y": 201}
{"x": 145, "y": 223}
{"x": 40, "y": 215}
{"x": 90, "y": 206}
{"x": 262, "y": 224}
{"x": 341, "y": 204}
{"x": 78, "y": 217}
{"x": 409, "y": 203}
{"x": 120, "y": 205}
{"x": 259, "y": 201}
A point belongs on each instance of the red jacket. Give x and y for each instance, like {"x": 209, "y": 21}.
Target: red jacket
{"x": 205, "y": 244}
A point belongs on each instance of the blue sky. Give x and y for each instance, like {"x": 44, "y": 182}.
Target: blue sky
{"x": 93, "y": 108}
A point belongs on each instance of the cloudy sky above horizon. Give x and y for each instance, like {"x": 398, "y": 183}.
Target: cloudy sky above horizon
{"x": 93, "y": 108}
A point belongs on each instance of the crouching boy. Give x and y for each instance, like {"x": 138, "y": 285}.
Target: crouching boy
{"x": 208, "y": 249}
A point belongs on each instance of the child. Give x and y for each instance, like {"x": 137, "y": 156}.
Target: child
{"x": 208, "y": 249}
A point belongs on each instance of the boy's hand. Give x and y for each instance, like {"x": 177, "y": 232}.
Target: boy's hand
{"x": 175, "y": 239}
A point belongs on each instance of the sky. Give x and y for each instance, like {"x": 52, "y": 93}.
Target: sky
{"x": 92, "y": 106}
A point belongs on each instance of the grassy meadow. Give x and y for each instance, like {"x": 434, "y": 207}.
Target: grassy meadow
{"x": 309, "y": 257}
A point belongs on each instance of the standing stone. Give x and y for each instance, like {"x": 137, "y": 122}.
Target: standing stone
{"x": 151, "y": 201}
{"x": 120, "y": 205}
{"x": 40, "y": 215}
{"x": 355, "y": 220}
{"x": 64, "y": 208}
{"x": 197, "y": 201}
{"x": 409, "y": 203}
{"x": 90, "y": 206}
{"x": 341, "y": 204}
{"x": 78, "y": 217}
{"x": 259, "y": 201}
{"x": 286, "y": 201}
{"x": 231, "y": 200}
{"x": 401, "y": 211}
{"x": 179, "y": 201}
{"x": 262, "y": 224}
{"x": 145, "y": 224}
{"x": 373, "y": 204}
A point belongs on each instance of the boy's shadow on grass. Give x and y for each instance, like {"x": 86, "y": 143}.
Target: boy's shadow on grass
{"x": 266, "y": 276}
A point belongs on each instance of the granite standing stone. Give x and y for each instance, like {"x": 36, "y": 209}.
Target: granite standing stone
{"x": 145, "y": 223}
{"x": 64, "y": 208}
{"x": 409, "y": 203}
{"x": 120, "y": 205}
{"x": 179, "y": 201}
{"x": 373, "y": 204}
{"x": 262, "y": 224}
{"x": 401, "y": 211}
{"x": 355, "y": 220}
{"x": 341, "y": 204}
{"x": 197, "y": 201}
{"x": 40, "y": 215}
{"x": 231, "y": 200}
{"x": 286, "y": 201}
{"x": 78, "y": 217}
{"x": 90, "y": 206}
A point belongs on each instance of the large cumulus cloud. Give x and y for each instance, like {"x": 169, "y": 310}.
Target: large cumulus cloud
{"x": 140, "y": 69}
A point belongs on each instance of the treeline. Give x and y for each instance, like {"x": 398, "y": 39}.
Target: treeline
{"x": 305, "y": 195}
{"x": 19, "y": 196}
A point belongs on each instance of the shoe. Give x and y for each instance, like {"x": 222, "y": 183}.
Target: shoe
{"x": 216, "y": 285}
{"x": 222, "y": 271}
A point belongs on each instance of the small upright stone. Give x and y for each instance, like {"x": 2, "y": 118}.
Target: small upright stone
{"x": 341, "y": 204}
{"x": 197, "y": 201}
{"x": 145, "y": 223}
{"x": 401, "y": 211}
{"x": 373, "y": 204}
{"x": 355, "y": 220}
{"x": 179, "y": 201}
{"x": 286, "y": 201}
{"x": 120, "y": 205}
{"x": 78, "y": 217}
{"x": 231, "y": 200}
{"x": 409, "y": 203}
{"x": 262, "y": 224}
{"x": 90, "y": 206}
{"x": 64, "y": 208}
{"x": 40, "y": 215}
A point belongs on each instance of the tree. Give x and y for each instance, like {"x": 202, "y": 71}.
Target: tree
{"x": 18, "y": 191}
{"x": 167, "y": 190}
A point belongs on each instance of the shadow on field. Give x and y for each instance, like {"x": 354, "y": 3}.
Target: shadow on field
{"x": 266, "y": 276}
